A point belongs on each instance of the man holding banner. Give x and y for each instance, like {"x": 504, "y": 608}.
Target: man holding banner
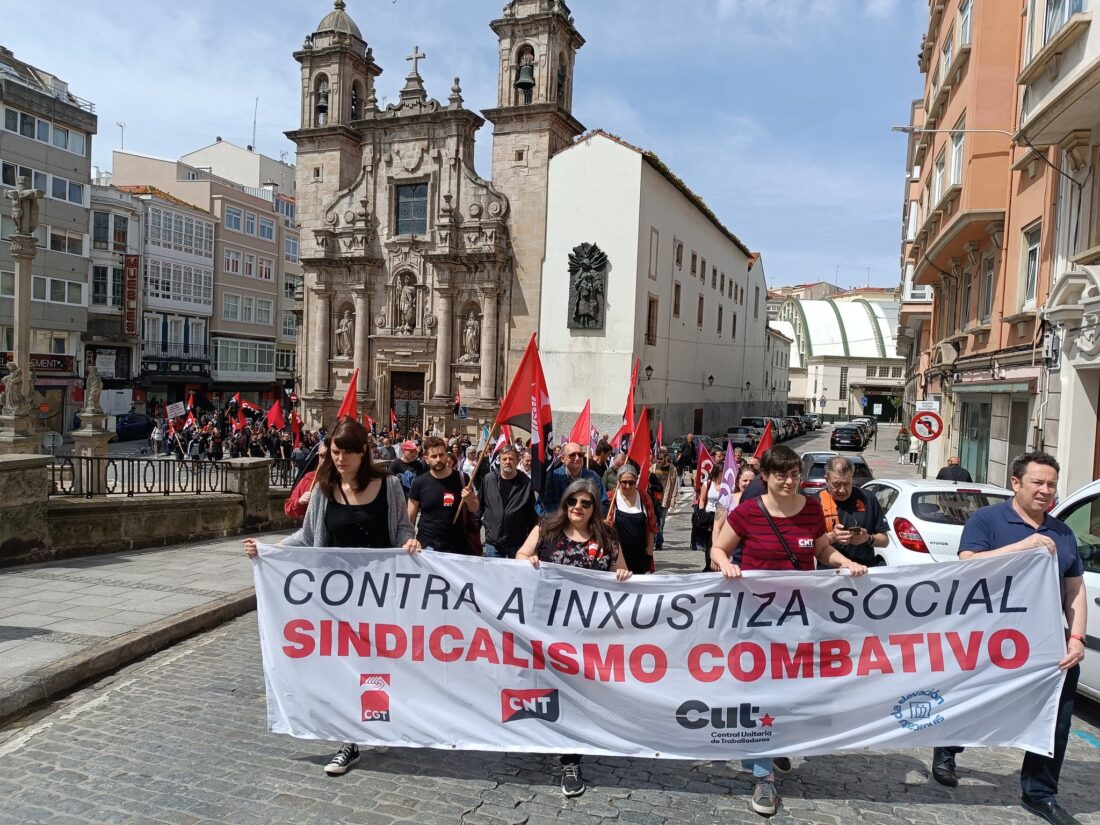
{"x": 1017, "y": 525}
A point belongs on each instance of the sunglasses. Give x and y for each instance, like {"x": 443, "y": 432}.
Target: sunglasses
{"x": 627, "y": 483}
{"x": 574, "y": 455}
{"x": 583, "y": 503}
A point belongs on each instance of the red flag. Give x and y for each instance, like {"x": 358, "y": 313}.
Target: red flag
{"x": 527, "y": 405}
{"x": 582, "y": 429}
{"x": 296, "y": 428}
{"x": 705, "y": 464}
{"x": 639, "y": 449}
{"x": 368, "y": 421}
{"x": 393, "y": 419}
{"x": 245, "y": 405}
{"x": 349, "y": 407}
{"x": 241, "y": 421}
{"x": 191, "y": 401}
{"x": 765, "y": 441}
{"x": 628, "y": 414}
{"x": 190, "y": 421}
{"x": 660, "y": 437}
{"x": 275, "y": 417}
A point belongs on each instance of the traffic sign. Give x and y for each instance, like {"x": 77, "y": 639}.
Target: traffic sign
{"x": 821, "y": 402}
{"x": 928, "y": 405}
{"x": 294, "y": 398}
{"x": 863, "y": 402}
{"x": 926, "y": 426}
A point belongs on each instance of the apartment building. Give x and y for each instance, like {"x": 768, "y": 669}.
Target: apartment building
{"x": 46, "y": 136}
{"x": 112, "y": 341}
{"x": 177, "y": 276}
{"x": 247, "y": 256}
{"x": 1059, "y": 80}
{"x": 976, "y": 231}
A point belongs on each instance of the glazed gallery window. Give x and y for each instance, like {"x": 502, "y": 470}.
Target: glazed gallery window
{"x": 411, "y": 209}
{"x": 107, "y": 286}
{"x": 290, "y": 325}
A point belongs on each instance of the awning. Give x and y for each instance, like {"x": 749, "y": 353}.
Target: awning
{"x": 998, "y": 387}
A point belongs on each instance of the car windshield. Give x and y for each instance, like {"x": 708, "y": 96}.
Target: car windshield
{"x": 860, "y": 471}
{"x": 951, "y": 506}
{"x": 846, "y": 431}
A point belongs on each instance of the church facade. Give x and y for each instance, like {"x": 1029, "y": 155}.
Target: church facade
{"x": 418, "y": 273}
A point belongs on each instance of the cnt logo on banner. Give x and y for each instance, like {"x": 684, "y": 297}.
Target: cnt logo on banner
{"x": 432, "y": 650}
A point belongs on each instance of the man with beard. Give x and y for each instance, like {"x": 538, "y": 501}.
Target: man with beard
{"x": 435, "y": 497}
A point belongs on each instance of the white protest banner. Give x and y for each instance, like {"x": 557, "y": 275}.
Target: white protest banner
{"x": 430, "y": 650}
{"x": 176, "y": 410}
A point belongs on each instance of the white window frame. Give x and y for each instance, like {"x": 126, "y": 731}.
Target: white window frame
{"x": 265, "y": 269}
{"x": 291, "y": 250}
{"x": 231, "y": 261}
{"x": 250, "y": 223}
{"x": 265, "y": 312}
{"x": 267, "y": 229}
{"x": 1031, "y": 262}
{"x": 938, "y": 174}
{"x": 965, "y": 22}
{"x": 290, "y": 325}
{"x": 958, "y": 149}
{"x": 234, "y": 218}
{"x": 248, "y": 309}
{"x": 231, "y": 306}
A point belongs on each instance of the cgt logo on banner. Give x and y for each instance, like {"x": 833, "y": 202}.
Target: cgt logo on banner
{"x": 381, "y": 647}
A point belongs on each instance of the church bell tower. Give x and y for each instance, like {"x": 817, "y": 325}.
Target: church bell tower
{"x": 532, "y": 121}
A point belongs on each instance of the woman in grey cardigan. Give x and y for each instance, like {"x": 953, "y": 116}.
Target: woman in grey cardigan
{"x": 354, "y": 504}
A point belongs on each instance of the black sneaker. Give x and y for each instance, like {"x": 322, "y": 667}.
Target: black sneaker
{"x": 765, "y": 801}
{"x": 347, "y": 756}
{"x": 572, "y": 783}
{"x": 782, "y": 764}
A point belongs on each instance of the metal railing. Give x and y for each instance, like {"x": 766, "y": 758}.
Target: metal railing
{"x": 89, "y": 477}
{"x": 282, "y": 472}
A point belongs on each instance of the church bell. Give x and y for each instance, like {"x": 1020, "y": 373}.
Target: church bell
{"x": 525, "y": 79}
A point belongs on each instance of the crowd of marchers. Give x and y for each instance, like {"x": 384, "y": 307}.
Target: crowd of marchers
{"x": 447, "y": 495}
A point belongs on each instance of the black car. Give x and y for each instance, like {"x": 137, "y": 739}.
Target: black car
{"x": 813, "y": 471}
{"x": 847, "y": 438}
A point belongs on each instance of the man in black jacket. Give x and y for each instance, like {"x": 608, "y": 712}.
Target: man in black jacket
{"x": 507, "y": 506}
{"x": 954, "y": 471}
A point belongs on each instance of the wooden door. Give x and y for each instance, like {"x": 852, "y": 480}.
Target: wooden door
{"x": 407, "y": 398}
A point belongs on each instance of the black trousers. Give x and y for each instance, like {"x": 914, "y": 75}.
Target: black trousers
{"x": 1039, "y": 774}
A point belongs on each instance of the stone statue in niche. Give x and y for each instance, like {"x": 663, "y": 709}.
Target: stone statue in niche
{"x": 406, "y": 304}
{"x": 471, "y": 340}
{"x": 587, "y": 286}
{"x": 345, "y": 335}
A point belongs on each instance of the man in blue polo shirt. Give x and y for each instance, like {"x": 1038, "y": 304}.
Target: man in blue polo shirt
{"x": 1014, "y": 526}
{"x": 572, "y": 469}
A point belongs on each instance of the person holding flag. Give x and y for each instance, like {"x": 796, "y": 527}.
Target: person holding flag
{"x": 527, "y": 405}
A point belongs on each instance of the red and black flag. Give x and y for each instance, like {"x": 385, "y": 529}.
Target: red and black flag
{"x": 527, "y": 406}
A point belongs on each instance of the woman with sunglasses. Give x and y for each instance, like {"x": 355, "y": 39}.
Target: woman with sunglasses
{"x": 780, "y": 530}
{"x": 634, "y": 519}
{"x": 356, "y": 504}
{"x": 575, "y": 534}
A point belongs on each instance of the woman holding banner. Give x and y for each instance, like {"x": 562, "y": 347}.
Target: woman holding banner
{"x": 356, "y": 503}
{"x": 576, "y": 535}
{"x": 780, "y": 530}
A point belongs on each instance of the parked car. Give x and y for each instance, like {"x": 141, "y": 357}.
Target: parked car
{"x": 744, "y": 437}
{"x": 796, "y": 424}
{"x": 1081, "y": 511}
{"x": 926, "y": 516}
{"x": 813, "y": 471}
{"x": 712, "y": 446}
{"x": 758, "y": 421}
{"x": 129, "y": 426}
{"x": 780, "y": 429}
{"x": 812, "y": 422}
{"x": 848, "y": 437}
{"x": 871, "y": 423}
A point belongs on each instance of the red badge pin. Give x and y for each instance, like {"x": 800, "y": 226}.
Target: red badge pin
{"x": 448, "y": 499}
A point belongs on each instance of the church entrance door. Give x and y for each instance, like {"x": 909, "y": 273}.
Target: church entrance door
{"x": 407, "y": 398}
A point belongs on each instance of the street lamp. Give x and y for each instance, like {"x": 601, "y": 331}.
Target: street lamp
{"x": 708, "y": 382}
{"x": 648, "y": 372}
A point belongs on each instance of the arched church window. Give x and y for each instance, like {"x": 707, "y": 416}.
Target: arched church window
{"x": 563, "y": 74}
{"x": 320, "y": 101}
{"x": 525, "y": 75}
{"x": 356, "y": 100}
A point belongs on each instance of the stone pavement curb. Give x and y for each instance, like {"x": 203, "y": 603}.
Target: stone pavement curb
{"x": 44, "y": 684}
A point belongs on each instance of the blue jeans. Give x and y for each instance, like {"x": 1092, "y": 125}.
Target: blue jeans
{"x": 494, "y": 552}
{"x": 761, "y": 768}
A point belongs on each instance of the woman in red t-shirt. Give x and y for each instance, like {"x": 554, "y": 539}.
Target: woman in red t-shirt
{"x": 805, "y": 540}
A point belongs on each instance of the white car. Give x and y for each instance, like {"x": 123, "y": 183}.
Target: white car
{"x": 1081, "y": 511}
{"x": 926, "y": 516}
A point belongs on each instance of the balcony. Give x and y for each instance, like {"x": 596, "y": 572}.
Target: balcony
{"x": 1049, "y": 58}
{"x": 156, "y": 350}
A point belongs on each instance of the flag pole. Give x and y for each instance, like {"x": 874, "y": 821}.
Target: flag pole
{"x": 473, "y": 475}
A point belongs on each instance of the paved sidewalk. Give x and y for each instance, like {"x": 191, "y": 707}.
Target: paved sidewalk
{"x": 66, "y": 622}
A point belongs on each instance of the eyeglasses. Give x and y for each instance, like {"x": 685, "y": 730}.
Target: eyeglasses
{"x": 583, "y": 503}
{"x": 794, "y": 475}
{"x": 574, "y": 455}
{"x": 627, "y": 483}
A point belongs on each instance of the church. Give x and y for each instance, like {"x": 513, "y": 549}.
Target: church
{"x": 430, "y": 280}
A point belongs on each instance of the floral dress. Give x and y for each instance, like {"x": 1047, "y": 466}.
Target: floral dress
{"x": 587, "y": 554}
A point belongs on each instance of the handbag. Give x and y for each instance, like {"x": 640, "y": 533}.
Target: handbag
{"x": 778, "y": 535}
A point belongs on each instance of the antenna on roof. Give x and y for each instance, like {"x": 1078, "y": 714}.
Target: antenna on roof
{"x": 255, "y": 111}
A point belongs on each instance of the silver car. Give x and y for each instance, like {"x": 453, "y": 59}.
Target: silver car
{"x": 1081, "y": 511}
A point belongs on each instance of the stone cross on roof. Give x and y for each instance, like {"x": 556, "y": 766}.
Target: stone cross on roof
{"x": 415, "y": 58}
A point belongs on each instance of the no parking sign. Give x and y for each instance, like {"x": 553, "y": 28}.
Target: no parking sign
{"x": 926, "y": 426}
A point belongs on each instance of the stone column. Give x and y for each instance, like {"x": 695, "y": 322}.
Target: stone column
{"x": 319, "y": 342}
{"x": 489, "y": 345}
{"x": 24, "y": 526}
{"x": 249, "y": 478}
{"x": 443, "y": 336}
{"x": 17, "y": 431}
{"x": 362, "y": 338}
{"x": 90, "y": 442}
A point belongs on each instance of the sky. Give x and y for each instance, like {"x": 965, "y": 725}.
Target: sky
{"x": 776, "y": 112}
